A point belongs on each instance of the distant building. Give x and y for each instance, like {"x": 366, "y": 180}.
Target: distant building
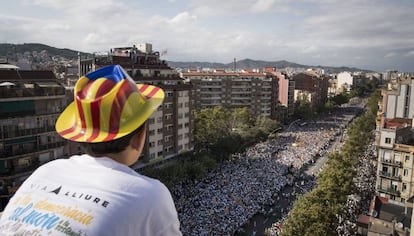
{"x": 286, "y": 96}
{"x": 312, "y": 86}
{"x": 30, "y": 102}
{"x": 256, "y": 91}
{"x": 170, "y": 130}
{"x": 345, "y": 81}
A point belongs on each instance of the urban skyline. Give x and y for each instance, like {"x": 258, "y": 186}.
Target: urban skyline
{"x": 374, "y": 35}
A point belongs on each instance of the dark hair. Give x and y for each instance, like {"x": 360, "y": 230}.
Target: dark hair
{"x": 113, "y": 146}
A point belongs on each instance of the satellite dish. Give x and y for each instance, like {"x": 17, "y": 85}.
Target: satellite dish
{"x": 400, "y": 225}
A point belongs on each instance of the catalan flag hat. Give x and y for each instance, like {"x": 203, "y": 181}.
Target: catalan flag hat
{"x": 107, "y": 105}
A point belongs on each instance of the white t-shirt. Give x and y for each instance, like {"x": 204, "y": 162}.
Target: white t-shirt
{"x": 89, "y": 196}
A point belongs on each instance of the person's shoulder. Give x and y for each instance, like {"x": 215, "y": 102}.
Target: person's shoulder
{"x": 54, "y": 164}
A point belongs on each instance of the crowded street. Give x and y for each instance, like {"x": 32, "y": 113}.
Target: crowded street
{"x": 258, "y": 187}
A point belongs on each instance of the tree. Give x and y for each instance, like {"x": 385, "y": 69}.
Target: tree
{"x": 211, "y": 125}
{"x": 311, "y": 215}
{"x": 303, "y": 108}
{"x": 340, "y": 99}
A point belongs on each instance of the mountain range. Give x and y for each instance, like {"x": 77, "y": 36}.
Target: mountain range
{"x": 11, "y": 50}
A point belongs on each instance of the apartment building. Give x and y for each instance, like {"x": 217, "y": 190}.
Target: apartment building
{"x": 170, "y": 130}
{"x": 257, "y": 91}
{"x": 395, "y": 142}
{"x": 286, "y": 96}
{"x": 30, "y": 102}
{"x": 313, "y": 86}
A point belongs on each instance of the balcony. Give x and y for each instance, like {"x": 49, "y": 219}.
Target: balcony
{"x": 15, "y": 154}
{"x": 391, "y": 162}
{"x": 388, "y": 190}
{"x": 26, "y": 132}
{"x": 385, "y": 174}
{"x": 22, "y": 170}
{"x": 403, "y": 148}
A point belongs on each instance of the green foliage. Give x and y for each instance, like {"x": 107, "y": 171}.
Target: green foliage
{"x": 223, "y": 132}
{"x": 210, "y": 126}
{"x": 303, "y": 108}
{"x": 311, "y": 215}
{"x": 188, "y": 168}
{"x": 340, "y": 99}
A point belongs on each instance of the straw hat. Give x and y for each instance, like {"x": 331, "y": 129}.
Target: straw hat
{"x": 107, "y": 105}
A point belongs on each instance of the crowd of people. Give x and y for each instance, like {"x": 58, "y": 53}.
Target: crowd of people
{"x": 359, "y": 202}
{"x": 226, "y": 198}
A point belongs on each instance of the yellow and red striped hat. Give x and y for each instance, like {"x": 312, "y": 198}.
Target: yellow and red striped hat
{"x": 107, "y": 105}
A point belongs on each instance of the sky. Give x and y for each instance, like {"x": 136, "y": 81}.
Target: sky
{"x": 368, "y": 34}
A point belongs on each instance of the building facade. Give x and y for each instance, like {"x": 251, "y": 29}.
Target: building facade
{"x": 345, "y": 81}
{"x": 259, "y": 92}
{"x": 395, "y": 143}
{"x": 286, "y": 96}
{"x": 313, "y": 86}
{"x": 170, "y": 128}
{"x": 30, "y": 102}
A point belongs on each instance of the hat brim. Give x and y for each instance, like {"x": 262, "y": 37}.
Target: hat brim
{"x": 68, "y": 124}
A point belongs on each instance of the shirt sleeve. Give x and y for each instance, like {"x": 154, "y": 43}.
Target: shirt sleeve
{"x": 164, "y": 215}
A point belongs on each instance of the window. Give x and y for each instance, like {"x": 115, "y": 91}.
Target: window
{"x": 388, "y": 140}
{"x": 404, "y": 187}
{"x": 152, "y": 144}
{"x": 407, "y": 158}
{"x": 168, "y": 138}
{"x": 169, "y": 127}
{"x": 405, "y": 172}
{"x": 151, "y": 132}
{"x": 168, "y": 105}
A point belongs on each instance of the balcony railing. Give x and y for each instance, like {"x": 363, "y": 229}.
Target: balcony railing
{"x": 391, "y": 162}
{"x": 26, "y": 132}
{"x": 389, "y": 190}
{"x": 16, "y": 153}
{"x": 18, "y": 170}
{"x": 389, "y": 175}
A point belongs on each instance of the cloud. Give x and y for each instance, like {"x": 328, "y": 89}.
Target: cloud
{"x": 410, "y": 54}
{"x": 305, "y": 31}
{"x": 391, "y": 54}
{"x": 262, "y": 5}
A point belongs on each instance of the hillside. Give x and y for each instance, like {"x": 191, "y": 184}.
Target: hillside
{"x": 8, "y": 50}
{"x": 249, "y": 63}
{"x": 11, "y": 50}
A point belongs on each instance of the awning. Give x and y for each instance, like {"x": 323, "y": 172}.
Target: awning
{"x": 7, "y": 83}
{"x": 48, "y": 85}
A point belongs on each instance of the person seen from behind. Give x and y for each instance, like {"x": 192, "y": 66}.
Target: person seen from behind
{"x": 97, "y": 193}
